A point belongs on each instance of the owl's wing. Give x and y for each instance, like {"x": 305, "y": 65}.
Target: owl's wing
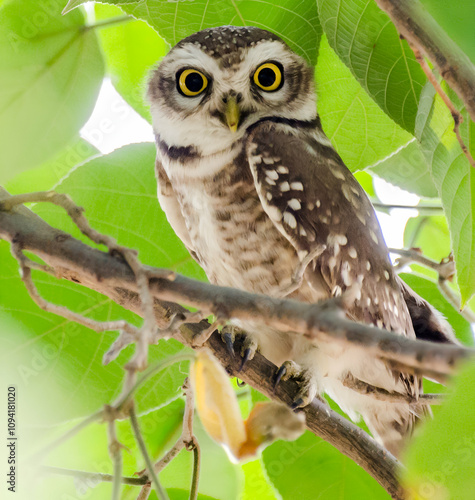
{"x": 313, "y": 200}
{"x": 169, "y": 204}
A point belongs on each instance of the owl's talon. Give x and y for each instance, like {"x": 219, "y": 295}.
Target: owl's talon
{"x": 245, "y": 358}
{"x": 228, "y": 334}
{"x": 228, "y": 339}
{"x": 249, "y": 349}
{"x": 298, "y": 403}
{"x": 308, "y": 387}
{"x": 278, "y": 376}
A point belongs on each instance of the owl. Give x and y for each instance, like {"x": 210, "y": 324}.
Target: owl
{"x": 252, "y": 186}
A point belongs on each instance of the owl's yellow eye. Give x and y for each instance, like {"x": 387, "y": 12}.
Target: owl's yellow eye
{"x": 191, "y": 82}
{"x": 269, "y": 76}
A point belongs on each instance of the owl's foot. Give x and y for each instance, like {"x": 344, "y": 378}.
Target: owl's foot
{"x": 298, "y": 275}
{"x": 306, "y": 380}
{"x": 249, "y": 347}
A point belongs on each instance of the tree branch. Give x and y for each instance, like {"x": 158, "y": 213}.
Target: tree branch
{"x": 418, "y": 27}
{"x": 446, "y": 271}
{"x": 111, "y": 275}
{"x": 94, "y": 476}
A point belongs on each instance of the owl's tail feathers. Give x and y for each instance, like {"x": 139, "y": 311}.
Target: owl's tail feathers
{"x": 429, "y": 324}
{"x": 392, "y": 426}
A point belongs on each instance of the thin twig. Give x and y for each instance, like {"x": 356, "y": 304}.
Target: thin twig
{"x": 445, "y": 268}
{"x": 161, "y": 493}
{"x": 391, "y": 397}
{"x": 196, "y": 470}
{"x": 145, "y": 492}
{"x": 189, "y": 439}
{"x": 419, "y": 28}
{"x": 93, "y": 476}
{"x": 115, "y": 454}
{"x": 97, "y": 326}
{"x": 419, "y": 208}
{"x": 186, "y": 440}
{"x": 456, "y": 115}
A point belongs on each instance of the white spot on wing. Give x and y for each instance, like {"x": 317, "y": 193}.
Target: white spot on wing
{"x": 352, "y": 252}
{"x": 282, "y": 170}
{"x": 294, "y": 204}
{"x": 298, "y": 186}
{"x": 274, "y": 213}
{"x": 272, "y": 174}
{"x": 284, "y": 186}
{"x": 338, "y": 174}
{"x": 290, "y": 220}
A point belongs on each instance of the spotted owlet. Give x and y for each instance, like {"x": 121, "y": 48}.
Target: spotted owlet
{"x": 251, "y": 185}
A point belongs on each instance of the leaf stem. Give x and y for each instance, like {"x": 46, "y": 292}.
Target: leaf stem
{"x": 161, "y": 493}
{"x": 105, "y": 23}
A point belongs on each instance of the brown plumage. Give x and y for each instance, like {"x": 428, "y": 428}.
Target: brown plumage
{"x": 250, "y": 202}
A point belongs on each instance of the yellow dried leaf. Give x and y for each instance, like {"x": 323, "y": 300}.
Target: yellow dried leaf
{"x": 270, "y": 421}
{"x": 216, "y": 402}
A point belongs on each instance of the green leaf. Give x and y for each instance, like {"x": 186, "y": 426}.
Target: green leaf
{"x": 295, "y": 22}
{"x": 51, "y": 70}
{"x": 256, "y": 484}
{"x": 428, "y": 290}
{"x": 118, "y": 192}
{"x": 454, "y": 178}
{"x": 45, "y": 176}
{"x": 366, "y": 182}
{"x": 310, "y": 468}
{"x": 72, "y": 4}
{"x": 130, "y": 50}
{"x": 361, "y": 133}
{"x": 407, "y": 169}
{"x": 367, "y": 42}
{"x": 441, "y": 460}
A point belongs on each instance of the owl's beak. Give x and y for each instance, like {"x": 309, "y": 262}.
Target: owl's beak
{"x": 232, "y": 113}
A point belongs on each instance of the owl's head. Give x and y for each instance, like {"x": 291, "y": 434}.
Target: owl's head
{"x": 216, "y": 83}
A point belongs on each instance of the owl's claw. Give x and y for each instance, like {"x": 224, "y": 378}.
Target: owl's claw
{"x": 279, "y": 375}
{"x": 228, "y": 339}
{"x": 298, "y": 403}
{"x": 249, "y": 349}
{"x": 249, "y": 346}
{"x": 245, "y": 358}
{"x": 308, "y": 387}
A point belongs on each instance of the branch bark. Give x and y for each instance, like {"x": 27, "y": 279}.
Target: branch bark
{"x": 419, "y": 28}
